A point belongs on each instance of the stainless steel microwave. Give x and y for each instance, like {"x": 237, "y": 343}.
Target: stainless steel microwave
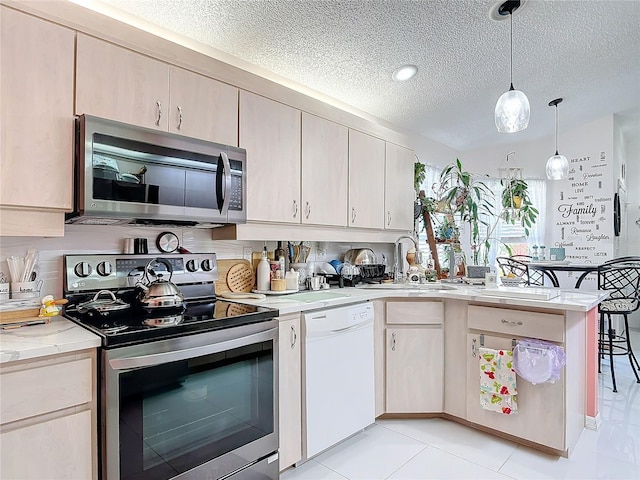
{"x": 131, "y": 175}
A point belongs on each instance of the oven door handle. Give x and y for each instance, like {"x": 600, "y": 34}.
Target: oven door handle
{"x": 130, "y": 363}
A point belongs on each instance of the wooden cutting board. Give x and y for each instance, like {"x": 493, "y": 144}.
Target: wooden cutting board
{"x": 224, "y": 266}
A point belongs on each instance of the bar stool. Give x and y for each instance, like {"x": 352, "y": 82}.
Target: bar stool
{"x": 536, "y": 277}
{"x": 621, "y": 277}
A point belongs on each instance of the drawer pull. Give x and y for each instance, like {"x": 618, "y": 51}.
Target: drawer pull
{"x": 511, "y": 322}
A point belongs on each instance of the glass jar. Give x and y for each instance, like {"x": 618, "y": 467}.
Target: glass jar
{"x": 543, "y": 254}
{"x": 534, "y": 252}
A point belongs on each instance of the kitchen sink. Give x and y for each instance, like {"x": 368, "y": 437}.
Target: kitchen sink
{"x": 408, "y": 286}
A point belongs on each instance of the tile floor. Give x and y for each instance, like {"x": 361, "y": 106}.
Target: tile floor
{"x": 440, "y": 449}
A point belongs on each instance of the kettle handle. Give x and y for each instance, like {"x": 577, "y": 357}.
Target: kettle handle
{"x": 147, "y": 269}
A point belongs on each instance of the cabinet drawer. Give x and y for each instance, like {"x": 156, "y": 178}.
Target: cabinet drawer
{"x": 422, "y": 313}
{"x": 518, "y": 323}
{"x": 45, "y": 389}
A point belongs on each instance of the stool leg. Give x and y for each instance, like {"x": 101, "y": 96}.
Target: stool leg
{"x": 632, "y": 357}
{"x": 600, "y": 341}
{"x": 611, "y": 334}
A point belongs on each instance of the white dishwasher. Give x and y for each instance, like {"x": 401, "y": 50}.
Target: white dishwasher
{"x": 339, "y": 394}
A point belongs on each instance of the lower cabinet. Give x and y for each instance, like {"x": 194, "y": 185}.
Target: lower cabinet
{"x": 542, "y": 408}
{"x": 414, "y": 357}
{"x": 290, "y": 388}
{"x": 48, "y": 418}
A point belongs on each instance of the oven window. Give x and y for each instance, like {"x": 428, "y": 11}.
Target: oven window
{"x": 176, "y": 416}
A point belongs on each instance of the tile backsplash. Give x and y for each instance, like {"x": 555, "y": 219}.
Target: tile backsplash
{"x": 80, "y": 239}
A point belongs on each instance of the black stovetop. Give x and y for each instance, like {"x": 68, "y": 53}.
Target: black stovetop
{"x": 135, "y": 325}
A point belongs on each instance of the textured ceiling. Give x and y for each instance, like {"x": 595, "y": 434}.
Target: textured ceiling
{"x": 587, "y": 52}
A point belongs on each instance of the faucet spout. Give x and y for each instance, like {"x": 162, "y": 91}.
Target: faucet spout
{"x": 398, "y": 270}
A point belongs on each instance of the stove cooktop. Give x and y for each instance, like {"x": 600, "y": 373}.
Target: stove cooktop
{"x": 193, "y": 274}
{"x": 136, "y": 326}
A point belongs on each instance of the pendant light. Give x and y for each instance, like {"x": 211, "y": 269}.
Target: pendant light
{"x": 557, "y": 165}
{"x": 512, "y": 109}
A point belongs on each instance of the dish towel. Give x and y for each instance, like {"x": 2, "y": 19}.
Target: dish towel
{"x": 498, "y": 388}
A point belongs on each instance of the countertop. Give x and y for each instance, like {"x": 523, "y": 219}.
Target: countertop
{"x": 568, "y": 300}
{"x": 58, "y": 336}
{"x": 63, "y": 336}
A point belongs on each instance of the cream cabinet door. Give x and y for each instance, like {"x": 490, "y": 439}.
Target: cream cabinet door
{"x": 532, "y": 401}
{"x": 36, "y": 122}
{"x": 270, "y": 132}
{"x": 366, "y": 180}
{"x": 325, "y": 151}
{"x": 116, "y": 83}
{"x": 399, "y": 194}
{"x": 58, "y": 448}
{"x": 203, "y": 108}
{"x": 290, "y": 390}
{"x": 414, "y": 370}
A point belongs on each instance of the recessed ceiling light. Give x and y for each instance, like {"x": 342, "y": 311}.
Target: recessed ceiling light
{"x": 404, "y": 73}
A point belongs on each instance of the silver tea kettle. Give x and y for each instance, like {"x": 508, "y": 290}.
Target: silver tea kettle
{"x": 159, "y": 293}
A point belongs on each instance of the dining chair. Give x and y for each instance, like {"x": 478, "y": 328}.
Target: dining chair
{"x": 535, "y": 276}
{"x": 621, "y": 278}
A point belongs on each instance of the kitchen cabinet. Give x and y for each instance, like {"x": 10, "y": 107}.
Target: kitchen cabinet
{"x": 399, "y": 193}
{"x": 36, "y": 124}
{"x": 43, "y": 399}
{"x": 366, "y": 180}
{"x": 290, "y": 390}
{"x": 498, "y": 328}
{"x": 270, "y": 132}
{"x": 119, "y": 84}
{"x": 325, "y": 152}
{"x": 414, "y": 357}
{"x": 202, "y": 107}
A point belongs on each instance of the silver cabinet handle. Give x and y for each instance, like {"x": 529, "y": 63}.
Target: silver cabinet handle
{"x": 295, "y": 208}
{"x": 473, "y": 348}
{"x": 353, "y": 214}
{"x": 294, "y": 336}
{"x": 511, "y": 322}
{"x": 308, "y": 210}
{"x": 179, "y": 117}
{"x": 393, "y": 342}
{"x": 159, "y": 112}
{"x": 388, "y": 218}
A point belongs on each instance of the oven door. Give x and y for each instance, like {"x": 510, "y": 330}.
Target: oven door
{"x": 198, "y": 406}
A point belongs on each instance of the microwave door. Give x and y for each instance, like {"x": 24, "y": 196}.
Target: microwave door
{"x": 223, "y": 183}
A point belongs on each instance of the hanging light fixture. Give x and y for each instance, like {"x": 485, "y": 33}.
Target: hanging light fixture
{"x": 512, "y": 109}
{"x": 557, "y": 165}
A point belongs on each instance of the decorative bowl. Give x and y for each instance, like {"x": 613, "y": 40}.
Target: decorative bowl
{"x": 511, "y": 281}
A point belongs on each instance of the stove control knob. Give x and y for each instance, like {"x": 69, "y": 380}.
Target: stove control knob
{"x": 207, "y": 265}
{"x": 192, "y": 266}
{"x": 104, "y": 269}
{"x": 82, "y": 269}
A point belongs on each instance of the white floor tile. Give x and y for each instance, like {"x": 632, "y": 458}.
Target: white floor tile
{"x": 310, "y": 470}
{"x": 478, "y": 447}
{"x": 371, "y": 455}
{"x": 433, "y": 463}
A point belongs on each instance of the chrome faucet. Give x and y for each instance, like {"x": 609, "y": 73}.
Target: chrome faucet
{"x": 397, "y": 255}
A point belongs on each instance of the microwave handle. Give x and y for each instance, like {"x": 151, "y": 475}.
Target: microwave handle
{"x": 223, "y": 174}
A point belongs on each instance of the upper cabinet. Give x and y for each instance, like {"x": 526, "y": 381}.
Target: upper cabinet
{"x": 36, "y": 124}
{"x": 116, "y": 83}
{"x": 399, "y": 194}
{"x": 203, "y": 108}
{"x": 122, "y": 85}
{"x": 325, "y": 152}
{"x": 270, "y": 132}
{"x": 366, "y": 180}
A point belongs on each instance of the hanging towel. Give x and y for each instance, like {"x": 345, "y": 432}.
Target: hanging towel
{"x": 498, "y": 388}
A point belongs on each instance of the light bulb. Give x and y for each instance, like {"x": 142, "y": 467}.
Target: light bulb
{"x": 512, "y": 112}
{"x": 557, "y": 167}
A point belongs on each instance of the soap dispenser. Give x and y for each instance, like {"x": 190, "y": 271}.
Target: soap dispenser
{"x": 264, "y": 272}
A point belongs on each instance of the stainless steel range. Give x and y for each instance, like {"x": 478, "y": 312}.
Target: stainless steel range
{"x": 188, "y": 389}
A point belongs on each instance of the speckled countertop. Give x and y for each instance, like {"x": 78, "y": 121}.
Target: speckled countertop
{"x": 58, "y": 336}
{"x": 63, "y": 336}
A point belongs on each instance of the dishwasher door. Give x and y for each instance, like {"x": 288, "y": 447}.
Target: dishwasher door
{"x": 339, "y": 394}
